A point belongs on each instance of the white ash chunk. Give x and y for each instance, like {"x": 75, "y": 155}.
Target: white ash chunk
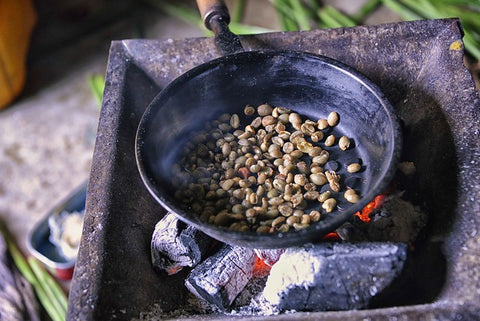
{"x": 333, "y": 276}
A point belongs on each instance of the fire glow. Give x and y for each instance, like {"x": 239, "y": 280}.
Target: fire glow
{"x": 364, "y": 215}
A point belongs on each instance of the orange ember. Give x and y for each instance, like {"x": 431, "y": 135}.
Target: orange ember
{"x": 376, "y": 203}
{"x": 174, "y": 269}
{"x": 331, "y": 237}
{"x": 260, "y": 268}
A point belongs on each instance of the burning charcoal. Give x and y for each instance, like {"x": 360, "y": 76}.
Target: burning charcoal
{"x": 222, "y": 276}
{"x": 333, "y": 276}
{"x": 176, "y": 245}
{"x": 269, "y": 257}
{"x": 396, "y": 220}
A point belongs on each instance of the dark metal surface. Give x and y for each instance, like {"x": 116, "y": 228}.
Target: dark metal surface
{"x": 227, "y": 42}
{"x": 434, "y": 96}
{"x": 310, "y": 85}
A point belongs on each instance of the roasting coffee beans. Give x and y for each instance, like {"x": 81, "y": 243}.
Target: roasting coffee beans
{"x": 262, "y": 171}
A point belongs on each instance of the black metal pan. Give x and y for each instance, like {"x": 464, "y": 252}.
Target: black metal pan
{"x": 309, "y": 84}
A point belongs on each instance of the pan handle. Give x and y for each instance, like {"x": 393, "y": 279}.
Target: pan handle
{"x": 216, "y": 18}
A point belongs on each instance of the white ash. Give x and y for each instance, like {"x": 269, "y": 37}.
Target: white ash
{"x": 297, "y": 275}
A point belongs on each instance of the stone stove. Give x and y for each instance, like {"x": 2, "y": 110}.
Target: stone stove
{"x": 417, "y": 66}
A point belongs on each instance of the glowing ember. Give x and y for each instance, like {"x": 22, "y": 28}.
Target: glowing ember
{"x": 174, "y": 270}
{"x": 333, "y": 236}
{"x": 261, "y": 268}
{"x": 376, "y": 203}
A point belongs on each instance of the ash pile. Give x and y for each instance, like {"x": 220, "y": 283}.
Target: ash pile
{"x": 352, "y": 268}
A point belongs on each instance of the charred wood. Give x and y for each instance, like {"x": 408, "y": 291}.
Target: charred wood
{"x": 333, "y": 276}
{"x": 176, "y": 245}
{"x": 221, "y": 277}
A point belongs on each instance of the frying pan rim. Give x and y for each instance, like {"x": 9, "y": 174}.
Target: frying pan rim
{"x": 250, "y": 238}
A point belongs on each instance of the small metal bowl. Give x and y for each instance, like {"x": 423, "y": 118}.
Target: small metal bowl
{"x": 39, "y": 244}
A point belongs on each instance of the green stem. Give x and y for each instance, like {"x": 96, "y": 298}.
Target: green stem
{"x": 285, "y": 15}
{"x": 340, "y": 17}
{"x": 97, "y": 85}
{"x": 327, "y": 20}
{"x": 29, "y": 275}
{"x": 471, "y": 45}
{"x": 401, "y": 10}
{"x": 366, "y": 9}
{"x": 51, "y": 287}
{"x": 300, "y": 14}
{"x": 238, "y": 11}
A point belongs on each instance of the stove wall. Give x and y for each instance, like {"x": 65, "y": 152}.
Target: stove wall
{"x": 413, "y": 64}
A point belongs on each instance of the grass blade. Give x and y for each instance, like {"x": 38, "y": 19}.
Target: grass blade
{"x": 366, "y": 10}
{"x": 51, "y": 287}
{"x": 328, "y": 21}
{"x": 401, "y": 10}
{"x": 97, "y": 85}
{"x": 471, "y": 45}
{"x": 39, "y": 272}
{"x": 301, "y": 15}
{"x": 344, "y": 20}
{"x": 241, "y": 29}
{"x": 29, "y": 275}
{"x": 238, "y": 11}
{"x": 332, "y": 18}
{"x": 284, "y": 13}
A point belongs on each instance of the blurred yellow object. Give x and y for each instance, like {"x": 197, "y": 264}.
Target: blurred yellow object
{"x": 17, "y": 18}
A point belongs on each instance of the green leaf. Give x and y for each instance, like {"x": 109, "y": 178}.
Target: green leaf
{"x": 97, "y": 86}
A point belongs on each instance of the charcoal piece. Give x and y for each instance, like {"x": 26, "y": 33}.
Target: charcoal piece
{"x": 176, "y": 245}
{"x": 333, "y": 276}
{"x": 396, "y": 220}
{"x": 222, "y": 276}
{"x": 269, "y": 256}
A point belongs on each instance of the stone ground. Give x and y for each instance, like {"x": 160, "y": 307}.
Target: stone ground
{"x": 48, "y": 134}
